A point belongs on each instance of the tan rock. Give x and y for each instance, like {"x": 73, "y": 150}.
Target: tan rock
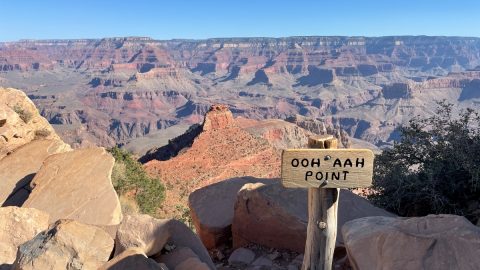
{"x": 19, "y": 168}
{"x": 211, "y": 209}
{"x": 20, "y": 121}
{"x": 431, "y": 242}
{"x": 142, "y": 231}
{"x": 68, "y": 244}
{"x": 277, "y": 217}
{"x": 77, "y": 185}
{"x": 132, "y": 259}
{"x": 18, "y": 225}
{"x": 151, "y": 235}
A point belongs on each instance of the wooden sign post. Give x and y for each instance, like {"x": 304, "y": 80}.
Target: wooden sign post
{"x": 323, "y": 169}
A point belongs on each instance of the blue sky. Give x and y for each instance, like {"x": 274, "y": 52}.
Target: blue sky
{"x": 40, "y": 19}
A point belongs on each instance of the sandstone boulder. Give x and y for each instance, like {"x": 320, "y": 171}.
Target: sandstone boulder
{"x": 144, "y": 232}
{"x": 277, "y": 217}
{"x": 18, "y": 225}
{"x": 151, "y": 235}
{"x": 132, "y": 259}
{"x": 211, "y": 209}
{"x": 68, "y": 244}
{"x": 19, "y": 168}
{"x": 431, "y": 242}
{"x": 77, "y": 185}
{"x": 20, "y": 121}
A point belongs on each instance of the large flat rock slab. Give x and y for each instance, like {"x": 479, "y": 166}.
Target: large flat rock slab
{"x": 77, "y": 185}
{"x": 431, "y": 242}
{"x": 277, "y": 217}
{"x": 19, "y": 168}
{"x": 211, "y": 209}
{"x": 17, "y": 226}
{"x": 68, "y": 244}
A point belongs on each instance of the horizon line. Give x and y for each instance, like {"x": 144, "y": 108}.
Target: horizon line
{"x": 232, "y": 37}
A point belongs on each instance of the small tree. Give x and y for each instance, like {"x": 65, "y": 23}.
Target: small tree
{"x": 435, "y": 168}
{"x": 129, "y": 178}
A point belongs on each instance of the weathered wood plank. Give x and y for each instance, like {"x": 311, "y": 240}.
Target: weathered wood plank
{"x": 327, "y": 168}
{"x": 322, "y": 220}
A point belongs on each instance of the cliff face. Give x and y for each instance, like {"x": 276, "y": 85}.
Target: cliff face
{"x": 218, "y": 117}
{"x": 347, "y": 55}
{"x": 110, "y": 91}
{"x": 220, "y": 150}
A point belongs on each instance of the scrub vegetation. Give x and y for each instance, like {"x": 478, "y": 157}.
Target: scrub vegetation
{"x": 434, "y": 168}
{"x": 132, "y": 182}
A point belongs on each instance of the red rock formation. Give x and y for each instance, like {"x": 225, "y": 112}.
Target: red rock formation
{"x": 218, "y": 117}
{"x": 225, "y": 148}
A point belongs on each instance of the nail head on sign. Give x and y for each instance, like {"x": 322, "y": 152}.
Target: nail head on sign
{"x": 322, "y": 225}
{"x": 327, "y": 157}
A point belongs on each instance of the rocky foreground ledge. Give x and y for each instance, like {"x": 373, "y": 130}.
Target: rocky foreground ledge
{"x": 249, "y": 212}
{"x": 59, "y": 209}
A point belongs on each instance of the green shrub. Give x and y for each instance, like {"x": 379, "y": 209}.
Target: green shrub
{"x": 435, "y": 168}
{"x": 128, "y": 176}
{"x": 26, "y": 116}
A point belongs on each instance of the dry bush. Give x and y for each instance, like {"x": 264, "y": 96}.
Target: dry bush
{"x": 435, "y": 168}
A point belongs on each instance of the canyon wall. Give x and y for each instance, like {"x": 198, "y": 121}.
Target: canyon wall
{"x": 110, "y": 91}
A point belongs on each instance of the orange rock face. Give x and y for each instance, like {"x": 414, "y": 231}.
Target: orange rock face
{"x": 225, "y": 148}
{"x": 218, "y": 117}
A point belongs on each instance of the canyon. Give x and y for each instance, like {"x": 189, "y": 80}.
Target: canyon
{"x": 135, "y": 90}
{"x": 60, "y": 208}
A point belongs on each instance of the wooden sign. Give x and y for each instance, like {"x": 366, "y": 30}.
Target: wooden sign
{"x": 327, "y": 168}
